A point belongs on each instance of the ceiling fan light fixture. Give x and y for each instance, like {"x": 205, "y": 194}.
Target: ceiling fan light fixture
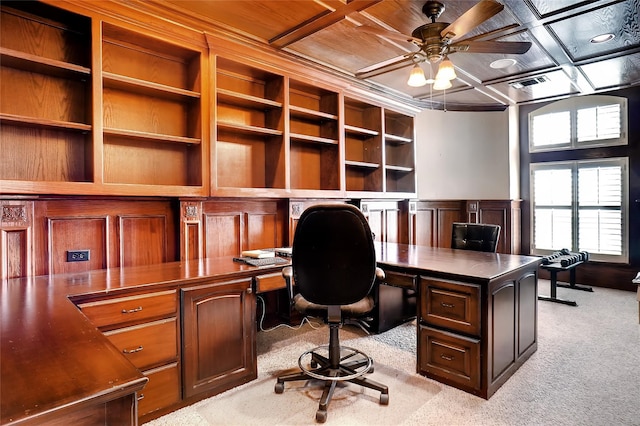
{"x": 441, "y": 84}
{"x": 446, "y": 71}
{"x": 417, "y": 78}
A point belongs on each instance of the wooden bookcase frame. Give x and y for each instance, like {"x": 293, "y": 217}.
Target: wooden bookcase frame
{"x": 91, "y": 107}
{"x": 118, "y": 108}
{"x": 46, "y": 129}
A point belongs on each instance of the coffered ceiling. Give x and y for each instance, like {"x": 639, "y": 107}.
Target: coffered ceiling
{"x": 562, "y": 60}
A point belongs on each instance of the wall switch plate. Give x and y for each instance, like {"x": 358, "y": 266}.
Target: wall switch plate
{"x": 77, "y": 255}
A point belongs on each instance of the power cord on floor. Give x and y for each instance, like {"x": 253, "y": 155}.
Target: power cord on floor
{"x": 292, "y": 327}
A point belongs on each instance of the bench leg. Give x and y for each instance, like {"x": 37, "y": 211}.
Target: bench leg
{"x": 554, "y": 285}
{"x": 572, "y": 283}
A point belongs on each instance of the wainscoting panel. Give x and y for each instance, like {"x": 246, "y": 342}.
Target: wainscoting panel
{"x": 230, "y": 226}
{"x": 222, "y": 234}
{"x": 142, "y": 240}
{"x": 115, "y": 232}
{"x": 68, "y": 235}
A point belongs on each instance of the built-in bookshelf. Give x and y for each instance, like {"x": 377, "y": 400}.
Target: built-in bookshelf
{"x": 363, "y": 146}
{"x": 399, "y": 149}
{"x": 249, "y": 116}
{"x": 45, "y": 107}
{"x": 313, "y": 136}
{"x": 151, "y": 110}
{"x": 95, "y": 105}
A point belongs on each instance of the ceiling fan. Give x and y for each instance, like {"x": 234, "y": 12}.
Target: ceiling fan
{"x": 436, "y": 40}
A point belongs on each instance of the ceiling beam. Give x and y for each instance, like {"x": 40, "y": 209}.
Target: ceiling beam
{"x": 321, "y": 21}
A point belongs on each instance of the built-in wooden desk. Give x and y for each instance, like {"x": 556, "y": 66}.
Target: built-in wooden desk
{"x": 477, "y": 312}
{"x": 477, "y": 323}
{"x": 58, "y": 365}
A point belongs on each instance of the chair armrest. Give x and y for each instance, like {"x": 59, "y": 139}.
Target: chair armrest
{"x": 287, "y": 273}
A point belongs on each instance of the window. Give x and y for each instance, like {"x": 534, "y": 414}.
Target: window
{"x": 580, "y": 122}
{"x": 582, "y": 206}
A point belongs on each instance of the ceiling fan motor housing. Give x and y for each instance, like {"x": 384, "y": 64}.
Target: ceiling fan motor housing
{"x": 433, "y": 45}
{"x": 433, "y": 9}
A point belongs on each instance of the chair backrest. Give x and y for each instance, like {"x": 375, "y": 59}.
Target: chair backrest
{"x": 334, "y": 259}
{"x": 475, "y": 236}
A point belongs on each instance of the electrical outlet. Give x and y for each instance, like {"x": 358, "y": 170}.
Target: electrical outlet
{"x": 77, "y": 255}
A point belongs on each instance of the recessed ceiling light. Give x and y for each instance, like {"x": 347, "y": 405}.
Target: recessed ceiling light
{"x": 602, "y": 38}
{"x": 502, "y": 63}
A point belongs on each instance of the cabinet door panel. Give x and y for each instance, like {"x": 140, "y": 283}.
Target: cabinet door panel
{"x": 218, "y": 336}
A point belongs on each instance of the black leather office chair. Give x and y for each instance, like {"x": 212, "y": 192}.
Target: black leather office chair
{"x": 475, "y": 236}
{"x": 334, "y": 269}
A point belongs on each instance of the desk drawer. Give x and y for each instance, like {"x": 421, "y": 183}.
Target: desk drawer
{"x": 450, "y": 304}
{"x": 149, "y": 344}
{"x": 269, "y": 282}
{"x": 162, "y": 390}
{"x": 398, "y": 279}
{"x": 129, "y": 309}
{"x": 453, "y": 358}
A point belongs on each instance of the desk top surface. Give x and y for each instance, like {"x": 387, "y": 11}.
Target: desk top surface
{"x": 52, "y": 356}
{"x": 476, "y": 265}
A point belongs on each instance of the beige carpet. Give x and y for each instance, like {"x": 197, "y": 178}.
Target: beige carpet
{"x": 256, "y": 403}
{"x": 586, "y": 372}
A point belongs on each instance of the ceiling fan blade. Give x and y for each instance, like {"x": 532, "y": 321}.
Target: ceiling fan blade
{"x": 471, "y": 19}
{"x": 515, "y": 47}
{"x": 385, "y": 66}
{"x": 388, "y": 34}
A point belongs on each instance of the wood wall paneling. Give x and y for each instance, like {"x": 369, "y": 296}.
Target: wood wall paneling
{"x": 430, "y": 222}
{"x": 143, "y": 240}
{"x": 230, "y": 226}
{"x": 433, "y": 220}
{"x": 117, "y": 232}
{"x": 223, "y": 234}
{"x": 16, "y": 245}
{"x": 73, "y": 234}
{"x": 505, "y": 213}
{"x": 388, "y": 219}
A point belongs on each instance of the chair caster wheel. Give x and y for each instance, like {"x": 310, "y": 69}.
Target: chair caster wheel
{"x": 371, "y": 370}
{"x": 279, "y": 387}
{"x": 384, "y": 399}
{"x": 321, "y": 416}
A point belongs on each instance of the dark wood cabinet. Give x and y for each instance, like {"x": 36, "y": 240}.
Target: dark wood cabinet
{"x": 475, "y": 335}
{"x": 218, "y": 336}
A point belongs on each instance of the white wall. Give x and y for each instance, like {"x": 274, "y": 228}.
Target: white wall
{"x": 464, "y": 155}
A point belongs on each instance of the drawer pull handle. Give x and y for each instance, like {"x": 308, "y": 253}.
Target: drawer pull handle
{"x": 132, "y": 351}
{"x": 446, "y": 357}
{"x": 141, "y": 397}
{"x": 131, "y": 311}
{"x": 447, "y": 305}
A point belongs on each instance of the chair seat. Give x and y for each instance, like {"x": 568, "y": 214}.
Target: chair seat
{"x": 358, "y": 308}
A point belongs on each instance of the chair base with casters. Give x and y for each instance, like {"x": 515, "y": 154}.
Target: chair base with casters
{"x": 342, "y": 364}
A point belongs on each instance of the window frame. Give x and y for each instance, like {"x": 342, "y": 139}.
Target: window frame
{"x": 574, "y": 166}
{"x": 572, "y": 105}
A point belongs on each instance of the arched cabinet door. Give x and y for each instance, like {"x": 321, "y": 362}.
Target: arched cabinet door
{"x": 218, "y": 342}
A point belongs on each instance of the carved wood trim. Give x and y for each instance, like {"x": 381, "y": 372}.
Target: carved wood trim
{"x": 16, "y": 238}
